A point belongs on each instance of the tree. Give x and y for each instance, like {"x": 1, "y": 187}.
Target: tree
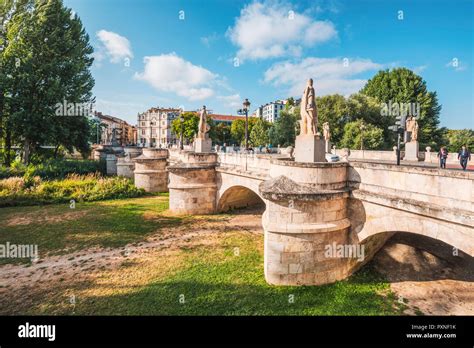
{"x": 8, "y": 10}
{"x": 402, "y": 85}
{"x": 237, "y": 130}
{"x": 259, "y": 134}
{"x": 458, "y": 137}
{"x": 353, "y": 135}
{"x": 219, "y": 132}
{"x": 48, "y": 57}
{"x": 333, "y": 109}
{"x": 189, "y": 126}
{"x": 283, "y": 130}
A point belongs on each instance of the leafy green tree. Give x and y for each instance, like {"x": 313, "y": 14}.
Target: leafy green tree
{"x": 189, "y": 126}
{"x": 333, "y": 109}
{"x": 458, "y": 137}
{"x": 219, "y": 132}
{"x": 353, "y": 134}
{"x": 8, "y": 10}
{"x": 49, "y": 57}
{"x": 402, "y": 85}
{"x": 259, "y": 134}
{"x": 283, "y": 130}
{"x": 237, "y": 130}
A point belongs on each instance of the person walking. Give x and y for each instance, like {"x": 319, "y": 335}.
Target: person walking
{"x": 443, "y": 155}
{"x": 464, "y": 156}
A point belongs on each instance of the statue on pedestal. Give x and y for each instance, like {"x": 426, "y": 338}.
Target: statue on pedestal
{"x": 309, "y": 112}
{"x": 309, "y": 146}
{"x": 411, "y": 146}
{"x": 202, "y": 142}
{"x": 327, "y": 136}
{"x": 412, "y": 128}
{"x": 203, "y": 126}
{"x": 326, "y": 131}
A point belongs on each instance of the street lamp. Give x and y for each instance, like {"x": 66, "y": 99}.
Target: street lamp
{"x": 181, "y": 121}
{"x": 245, "y": 111}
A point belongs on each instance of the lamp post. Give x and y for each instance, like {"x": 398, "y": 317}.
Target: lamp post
{"x": 181, "y": 145}
{"x": 246, "y": 109}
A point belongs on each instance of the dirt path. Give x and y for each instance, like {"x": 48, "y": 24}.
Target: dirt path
{"x": 80, "y": 265}
{"x": 427, "y": 275}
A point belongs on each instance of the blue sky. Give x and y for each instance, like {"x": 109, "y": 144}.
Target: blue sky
{"x": 218, "y": 52}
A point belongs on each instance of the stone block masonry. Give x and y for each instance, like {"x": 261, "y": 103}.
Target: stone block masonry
{"x": 192, "y": 183}
{"x": 150, "y": 170}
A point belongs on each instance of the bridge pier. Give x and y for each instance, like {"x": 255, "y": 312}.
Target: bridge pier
{"x": 305, "y": 221}
{"x": 192, "y": 183}
{"x": 150, "y": 170}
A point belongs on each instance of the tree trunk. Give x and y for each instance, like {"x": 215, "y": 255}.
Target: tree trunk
{"x": 26, "y": 154}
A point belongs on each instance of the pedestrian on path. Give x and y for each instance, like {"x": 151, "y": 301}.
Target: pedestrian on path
{"x": 464, "y": 156}
{"x": 443, "y": 155}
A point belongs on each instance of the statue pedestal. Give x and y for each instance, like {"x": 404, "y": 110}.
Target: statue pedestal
{"x": 310, "y": 148}
{"x": 411, "y": 151}
{"x": 202, "y": 145}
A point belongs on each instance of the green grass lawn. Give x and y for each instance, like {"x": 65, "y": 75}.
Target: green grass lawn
{"x": 58, "y": 229}
{"x": 201, "y": 277}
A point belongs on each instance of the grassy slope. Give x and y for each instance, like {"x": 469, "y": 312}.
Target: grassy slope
{"x": 212, "y": 279}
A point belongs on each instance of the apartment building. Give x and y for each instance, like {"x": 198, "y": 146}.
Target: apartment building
{"x": 154, "y": 127}
{"x": 270, "y": 111}
{"x": 116, "y": 131}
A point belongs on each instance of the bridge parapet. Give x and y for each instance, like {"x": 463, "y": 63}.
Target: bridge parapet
{"x": 257, "y": 163}
{"x": 443, "y": 194}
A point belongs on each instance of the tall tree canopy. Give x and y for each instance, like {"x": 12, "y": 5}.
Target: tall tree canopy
{"x": 189, "y": 126}
{"x": 259, "y": 133}
{"x": 402, "y": 85}
{"x": 45, "y": 60}
{"x": 459, "y": 137}
{"x": 283, "y": 130}
{"x": 354, "y": 135}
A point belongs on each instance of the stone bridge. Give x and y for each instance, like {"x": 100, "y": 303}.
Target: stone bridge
{"x": 319, "y": 214}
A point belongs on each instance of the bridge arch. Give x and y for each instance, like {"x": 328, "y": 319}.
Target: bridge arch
{"x": 457, "y": 236}
{"x": 238, "y": 197}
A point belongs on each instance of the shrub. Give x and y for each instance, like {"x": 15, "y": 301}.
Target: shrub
{"x": 53, "y": 169}
{"x": 92, "y": 187}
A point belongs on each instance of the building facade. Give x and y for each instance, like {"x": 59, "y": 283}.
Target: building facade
{"x": 271, "y": 111}
{"x": 115, "y": 131}
{"x": 154, "y": 127}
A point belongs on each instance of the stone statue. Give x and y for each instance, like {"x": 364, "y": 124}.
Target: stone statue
{"x": 203, "y": 126}
{"x": 326, "y": 131}
{"x": 309, "y": 112}
{"x": 412, "y": 128}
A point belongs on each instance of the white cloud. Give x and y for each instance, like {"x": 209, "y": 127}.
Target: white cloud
{"x": 115, "y": 46}
{"x": 171, "y": 73}
{"x": 231, "y": 101}
{"x": 330, "y": 75}
{"x": 456, "y": 64}
{"x": 274, "y": 29}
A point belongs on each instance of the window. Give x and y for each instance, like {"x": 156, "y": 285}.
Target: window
{"x": 143, "y": 132}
